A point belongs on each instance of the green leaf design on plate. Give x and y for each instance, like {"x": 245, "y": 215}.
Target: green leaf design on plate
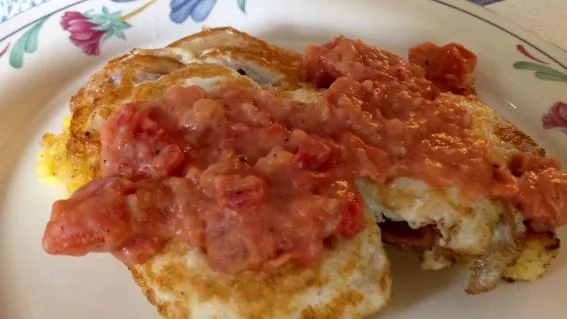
{"x": 241, "y": 5}
{"x": 115, "y": 16}
{"x": 121, "y": 24}
{"x": 551, "y": 77}
{"x": 98, "y": 19}
{"x": 106, "y": 36}
{"x": 89, "y": 13}
{"x": 26, "y": 44}
{"x": 111, "y": 23}
{"x": 118, "y": 33}
{"x": 541, "y": 71}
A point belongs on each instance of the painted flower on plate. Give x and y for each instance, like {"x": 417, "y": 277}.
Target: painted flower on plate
{"x": 83, "y": 34}
{"x": 556, "y": 117}
{"x": 89, "y": 29}
{"x": 4, "y": 50}
{"x": 198, "y": 10}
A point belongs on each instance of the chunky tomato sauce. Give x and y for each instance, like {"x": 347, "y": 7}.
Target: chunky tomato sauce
{"x": 450, "y": 67}
{"x": 256, "y": 180}
{"x": 225, "y": 171}
{"x": 542, "y": 191}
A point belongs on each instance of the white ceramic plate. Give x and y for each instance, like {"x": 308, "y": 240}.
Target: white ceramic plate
{"x": 519, "y": 75}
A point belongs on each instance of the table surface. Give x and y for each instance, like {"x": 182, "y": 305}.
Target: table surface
{"x": 548, "y": 18}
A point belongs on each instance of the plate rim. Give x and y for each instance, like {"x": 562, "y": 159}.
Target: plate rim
{"x": 480, "y": 13}
{"x": 543, "y": 46}
{"x": 492, "y": 18}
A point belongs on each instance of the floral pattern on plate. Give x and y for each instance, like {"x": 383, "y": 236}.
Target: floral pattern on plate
{"x": 556, "y": 116}
{"x": 88, "y": 30}
{"x": 11, "y": 8}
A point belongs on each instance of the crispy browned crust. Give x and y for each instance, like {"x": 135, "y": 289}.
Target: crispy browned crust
{"x": 520, "y": 140}
{"x": 539, "y": 250}
{"x": 271, "y": 288}
{"x": 267, "y": 59}
{"x": 99, "y": 98}
{"x": 257, "y": 51}
{"x": 180, "y": 274}
{"x": 265, "y": 50}
{"x": 270, "y": 57}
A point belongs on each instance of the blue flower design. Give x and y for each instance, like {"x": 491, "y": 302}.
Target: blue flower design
{"x": 198, "y": 10}
{"x": 485, "y": 2}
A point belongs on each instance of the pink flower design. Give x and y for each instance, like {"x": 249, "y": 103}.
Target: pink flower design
{"x": 83, "y": 32}
{"x": 556, "y": 117}
{"x": 4, "y": 50}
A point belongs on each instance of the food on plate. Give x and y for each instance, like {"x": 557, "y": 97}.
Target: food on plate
{"x": 221, "y": 166}
{"x": 130, "y": 117}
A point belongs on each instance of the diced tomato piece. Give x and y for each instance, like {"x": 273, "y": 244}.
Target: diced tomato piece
{"x": 228, "y": 254}
{"x": 93, "y": 219}
{"x": 140, "y": 143}
{"x": 308, "y": 181}
{"x": 204, "y": 114}
{"x": 240, "y": 192}
{"x": 253, "y": 142}
{"x": 271, "y": 136}
{"x": 275, "y": 163}
{"x": 138, "y": 249}
{"x": 313, "y": 67}
{"x": 523, "y": 162}
{"x": 450, "y": 67}
{"x": 314, "y": 152}
{"x": 352, "y": 221}
{"x": 130, "y": 219}
{"x": 179, "y": 99}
